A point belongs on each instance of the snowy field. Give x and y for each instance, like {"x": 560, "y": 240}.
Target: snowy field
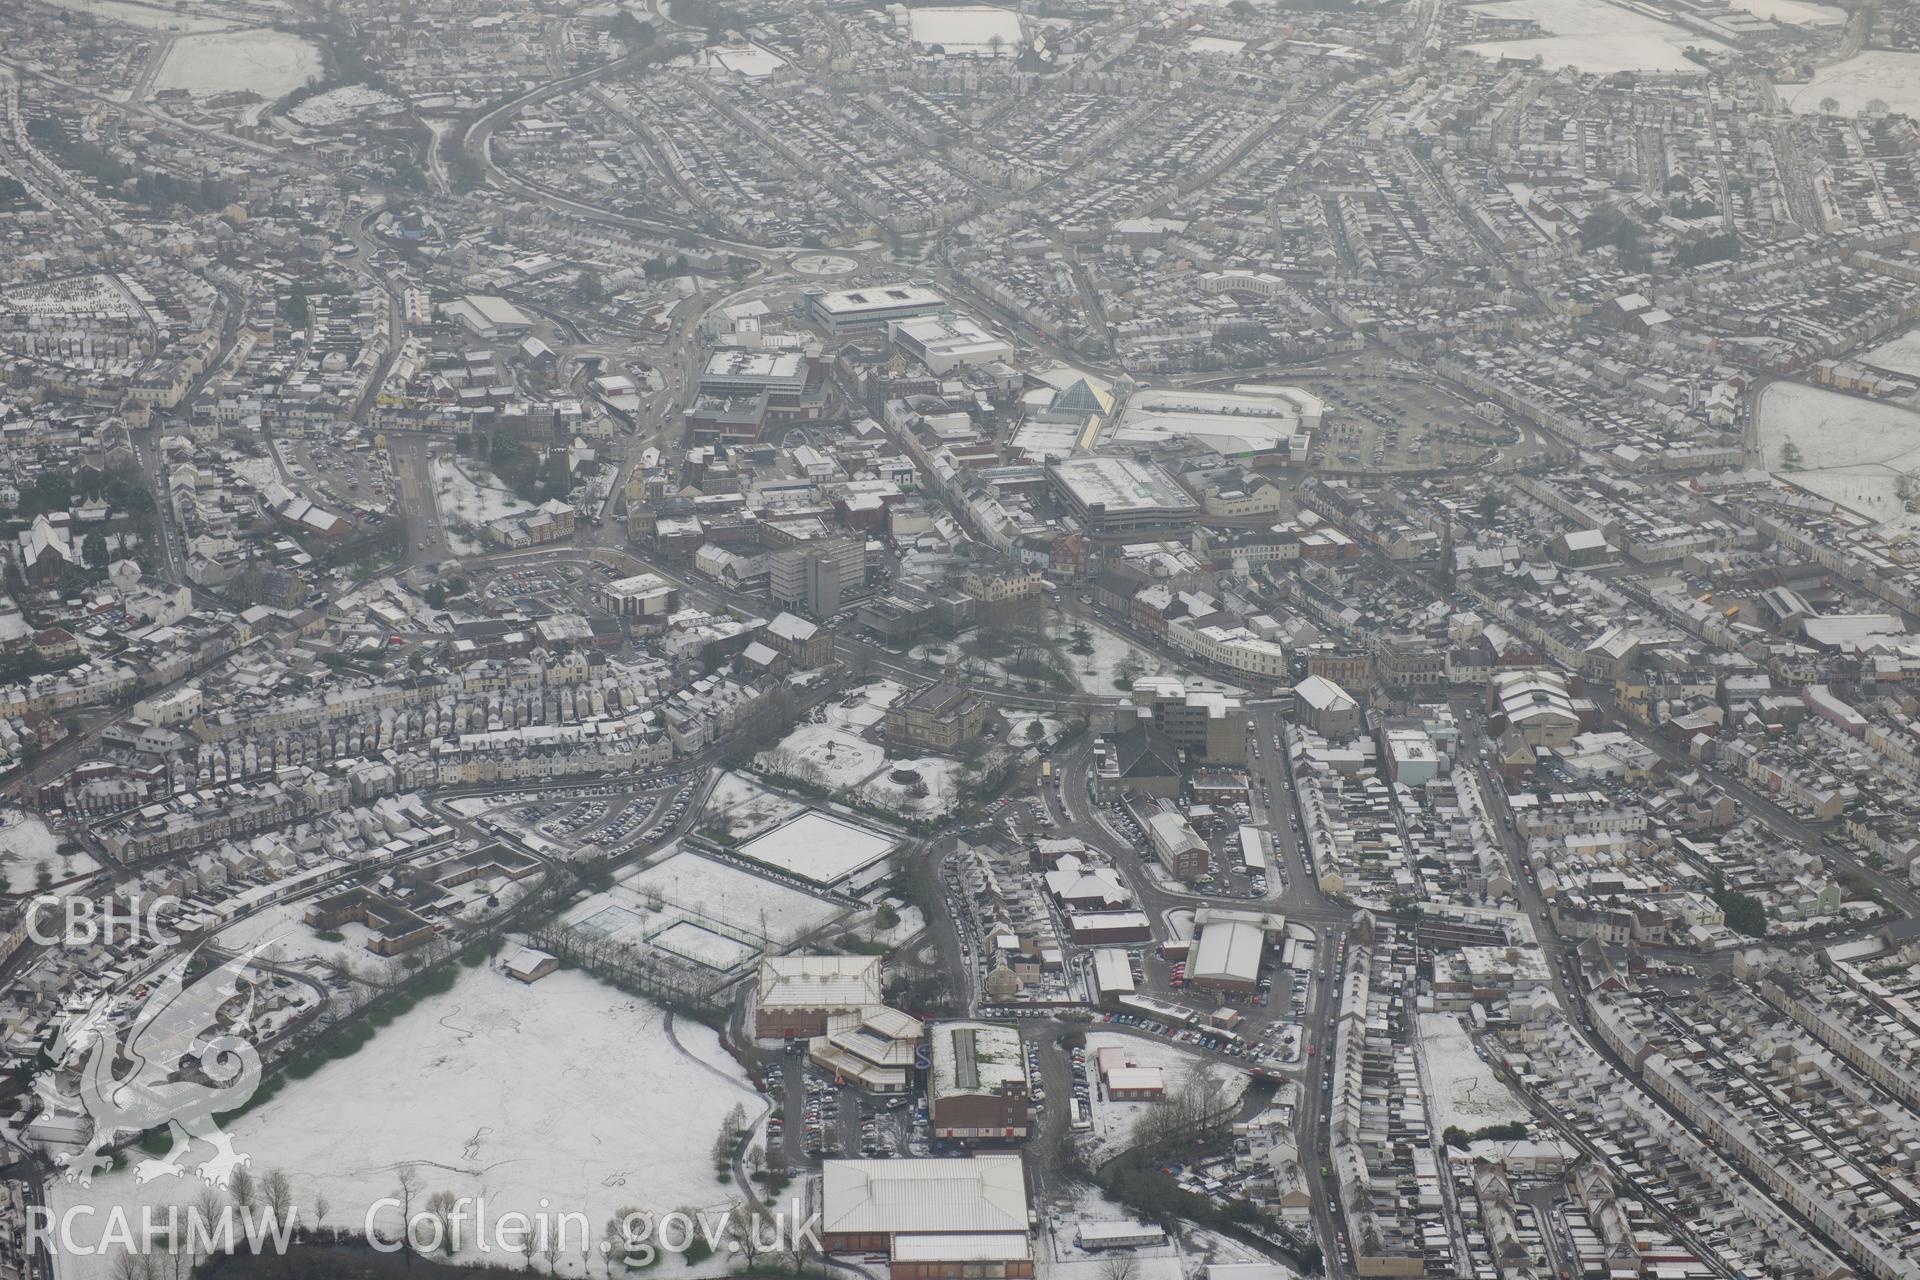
{"x": 1852, "y": 450}
{"x": 1901, "y": 354}
{"x": 1461, "y": 1089}
{"x": 1595, "y": 36}
{"x": 269, "y": 63}
{"x": 27, "y": 847}
{"x": 967, "y": 29}
{"x": 1878, "y": 73}
{"x": 496, "y": 1089}
{"x": 743, "y": 807}
{"x": 729, "y": 894}
{"x": 1113, "y": 1121}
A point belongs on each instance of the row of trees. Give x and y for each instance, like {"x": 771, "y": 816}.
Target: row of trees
{"x": 151, "y": 187}
{"x": 250, "y": 1208}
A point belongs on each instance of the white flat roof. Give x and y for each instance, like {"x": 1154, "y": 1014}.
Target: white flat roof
{"x": 879, "y": 297}
{"x": 732, "y": 362}
{"x": 817, "y": 982}
{"x": 924, "y": 1195}
{"x": 638, "y": 584}
{"x": 935, "y": 1246}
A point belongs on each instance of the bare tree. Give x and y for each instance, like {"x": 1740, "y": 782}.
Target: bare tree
{"x": 1120, "y": 1266}
{"x": 740, "y": 1231}
{"x": 277, "y": 1190}
{"x": 409, "y": 1187}
{"x": 618, "y": 1245}
{"x": 133, "y": 1266}
{"x": 246, "y": 1192}
{"x": 208, "y": 1206}
{"x": 441, "y": 1206}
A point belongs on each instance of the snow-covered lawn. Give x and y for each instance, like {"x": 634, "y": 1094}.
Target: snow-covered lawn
{"x": 1109, "y": 656}
{"x": 564, "y": 1091}
{"x": 1113, "y": 1121}
{"x": 1058, "y": 1256}
{"x": 1461, "y": 1089}
{"x": 467, "y": 494}
{"x": 284, "y": 939}
{"x": 269, "y": 63}
{"x": 910, "y": 923}
{"x": 470, "y": 806}
{"x": 825, "y": 755}
{"x": 1596, "y": 36}
{"x": 744, "y": 807}
{"x": 1113, "y": 657}
{"x": 725, "y": 893}
{"x": 13, "y": 623}
{"x": 940, "y": 779}
{"x": 832, "y": 757}
{"x": 1878, "y": 73}
{"x": 1020, "y": 729}
{"x": 1852, "y": 450}
{"x": 27, "y": 847}
{"x": 870, "y": 703}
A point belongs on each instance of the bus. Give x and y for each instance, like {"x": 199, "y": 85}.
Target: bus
{"x": 1077, "y": 1118}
